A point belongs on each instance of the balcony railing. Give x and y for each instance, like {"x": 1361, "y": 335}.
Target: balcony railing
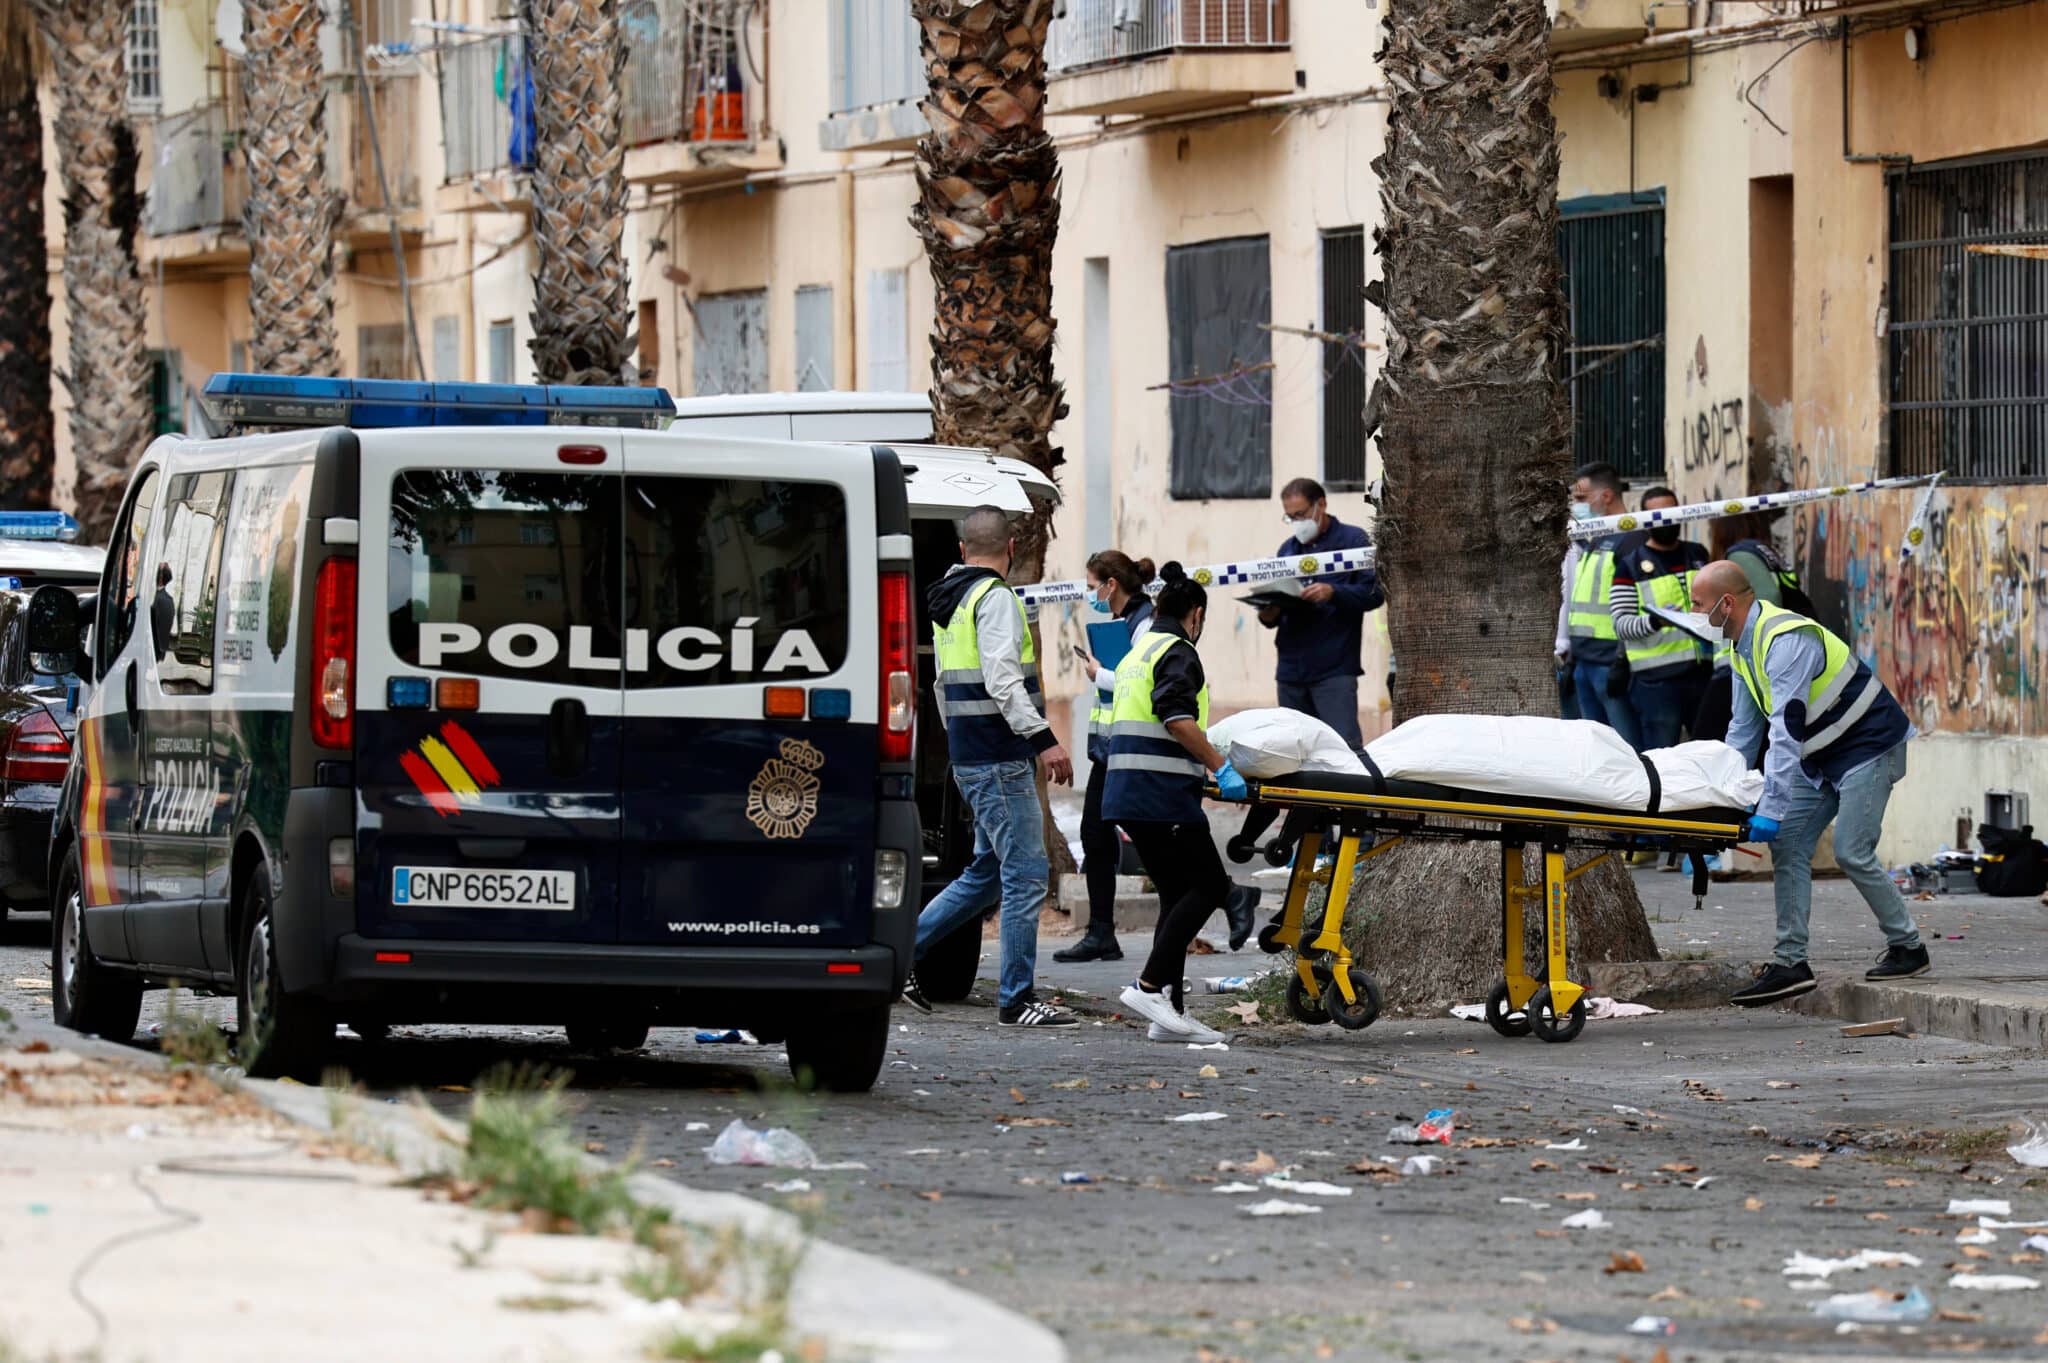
{"x": 486, "y": 108}
{"x": 1098, "y": 31}
{"x": 392, "y": 101}
{"x": 196, "y": 177}
{"x": 683, "y": 80}
{"x": 874, "y": 55}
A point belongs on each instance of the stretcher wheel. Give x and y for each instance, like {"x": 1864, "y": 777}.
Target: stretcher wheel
{"x": 1353, "y": 1017}
{"x": 1547, "y": 1025}
{"x": 1278, "y": 853}
{"x": 1240, "y": 850}
{"x": 1305, "y": 1005}
{"x": 1269, "y": 939}
{"x": 1503, "y": 1018}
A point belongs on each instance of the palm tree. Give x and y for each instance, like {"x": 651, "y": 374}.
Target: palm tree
{"x": 1476, "y": 441}
{"x": 27, "y": 432}
{"x": 988, "y": 209}
{"x": 581, "y": 301}
{"x": 291, "y": 214}
{"x": 103, "y": 299}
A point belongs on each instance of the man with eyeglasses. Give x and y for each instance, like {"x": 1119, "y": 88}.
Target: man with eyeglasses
{"x": 1320, "y": 637}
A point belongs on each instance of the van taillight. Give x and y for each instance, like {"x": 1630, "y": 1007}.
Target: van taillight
{"x": 899, "y": 669}
{"x": 334, "y": 654}
{"x": 37, "y": 751}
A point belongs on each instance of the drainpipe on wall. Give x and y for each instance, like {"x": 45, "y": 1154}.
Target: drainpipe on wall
{"x": 849, "y": 238}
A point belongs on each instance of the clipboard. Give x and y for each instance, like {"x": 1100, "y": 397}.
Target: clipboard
{"x": 1679, "y": 623}
{"x": 1109, "y": 641}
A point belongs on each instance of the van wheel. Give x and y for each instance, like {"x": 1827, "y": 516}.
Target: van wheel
{"x": 840, "y": 1052}
{"x": 592, "y": 1035}
{"x": 947, "y": 972}
{"x": 87, "y": 996}
{"x": 276, "y": 1033}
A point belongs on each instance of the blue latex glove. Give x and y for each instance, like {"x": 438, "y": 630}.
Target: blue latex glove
{"x": 1762, "y": 829}
{"x": 1230, "y": 785}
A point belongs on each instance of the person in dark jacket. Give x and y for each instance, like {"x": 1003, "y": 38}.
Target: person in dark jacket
{"x": 1320, "y": 638}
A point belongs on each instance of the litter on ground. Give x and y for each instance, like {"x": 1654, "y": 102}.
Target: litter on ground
{"x": 777, "y": 1147}
{"x": 1281, "y": 1183}
{"x": 1199, "y": 1117}
{"x": 1876, "y": 1308}
{"x": 1586, "y": 1220}
{"x": 1812, "y": 1266}
{"x": 1981, "y": 1206}
{"x": 1279, "y": 1207}
{"x": 1993, "y": 1282}
{"x": 2033, "y": 1151}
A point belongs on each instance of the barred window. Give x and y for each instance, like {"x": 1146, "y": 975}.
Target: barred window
{"x": 145, "y": 53}
{"x": 1968, "y": 330}
{"x": 1612, "y": 247}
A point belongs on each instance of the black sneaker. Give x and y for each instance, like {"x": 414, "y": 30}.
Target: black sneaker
{"x": 1091, "y": 948}
{"x": 1032, "y": 1013}
{"x": 1773, "y": 983}
{"x": 914, "y": 996}
{"x": 1240, "y": 909}
{"x": 1900, "y": 963}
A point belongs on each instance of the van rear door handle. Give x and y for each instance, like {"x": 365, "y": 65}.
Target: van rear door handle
{"x": 568, "y": 738}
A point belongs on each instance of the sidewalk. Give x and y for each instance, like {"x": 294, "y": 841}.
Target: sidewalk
{"x": 148, "y": 1214}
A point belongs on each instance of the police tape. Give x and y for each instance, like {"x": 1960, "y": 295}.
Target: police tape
{"x": 1763, "y": 501}
{"x": 1351, "y": 560}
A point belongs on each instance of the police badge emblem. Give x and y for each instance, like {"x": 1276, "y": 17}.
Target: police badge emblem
{"x": 783, "y": 798}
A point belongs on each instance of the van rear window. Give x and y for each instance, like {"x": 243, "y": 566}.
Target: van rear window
{"x": 507, "y": 574}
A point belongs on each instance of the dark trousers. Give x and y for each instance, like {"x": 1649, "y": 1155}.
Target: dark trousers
{"x": 1101, "y": 853}
{"x": 1182, "y": 860}
{"x": 1333, "y": 700}
{"x": 1665, "y": 702}
{"x": 1717, "y": 707}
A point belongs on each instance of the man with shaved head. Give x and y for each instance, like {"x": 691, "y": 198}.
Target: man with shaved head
{"x": 996, "y": 733}
{"x": 1837, "y": 747}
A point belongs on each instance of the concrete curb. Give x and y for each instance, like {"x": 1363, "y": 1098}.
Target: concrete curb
{"x": 877, "y": 1310}
{"x": 1987, "y": 1014}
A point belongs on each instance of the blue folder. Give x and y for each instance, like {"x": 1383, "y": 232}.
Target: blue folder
{"x": 1109, "y": 641}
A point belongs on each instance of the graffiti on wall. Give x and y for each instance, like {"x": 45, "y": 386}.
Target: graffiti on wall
{"x": 1714, "y": 448}
{"x": 1959, "y": 632}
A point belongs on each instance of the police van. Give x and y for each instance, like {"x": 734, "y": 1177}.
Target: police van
{"x": 462, "y": 702}
{"x": 943, "y": 484}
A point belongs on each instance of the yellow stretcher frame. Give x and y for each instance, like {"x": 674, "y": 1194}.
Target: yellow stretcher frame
{"x": 1553, "y": 1007}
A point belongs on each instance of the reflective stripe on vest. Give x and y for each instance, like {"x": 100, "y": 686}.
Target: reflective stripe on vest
{"x": 1151, "y": 776}
{"x": 975, "y": 728}
{"x": 1594, "y": 578}
{"x": 1664, "y": 649}
{"x": 1840, "y": 696}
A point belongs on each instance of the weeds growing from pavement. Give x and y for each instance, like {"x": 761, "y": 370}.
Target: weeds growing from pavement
{"x": 190, "y": 1037}
{"x": 547, "y": 1301}
{"x": 758, "y": 1272}
{"x": 522, "y": 1156}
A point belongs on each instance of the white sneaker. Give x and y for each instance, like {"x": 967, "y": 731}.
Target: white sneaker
{"x": 1203, "y": 1035}
{"x": 1159, "y": 1008}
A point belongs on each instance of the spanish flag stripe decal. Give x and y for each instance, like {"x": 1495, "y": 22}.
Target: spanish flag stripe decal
{"x": 438, "y": 796}
{"x": 469, "y": 754}
{"x": 451, "y": 772}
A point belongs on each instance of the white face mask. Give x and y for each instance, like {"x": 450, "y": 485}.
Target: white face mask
{"x": 1581, "y": 512}
{"x": 1700, "y": 622}
{"x": 1304, "y": 531}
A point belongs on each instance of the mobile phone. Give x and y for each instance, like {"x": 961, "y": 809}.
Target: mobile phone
{"x": 1083, "y": 654}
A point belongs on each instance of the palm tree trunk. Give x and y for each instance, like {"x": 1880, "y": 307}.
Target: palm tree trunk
{"x": 988, "y": 209}
{"x": 27, "y": 432}
{"x": 291, "y": 213}
{"x": 582, "y": 309}
{"x": 103, "y": 299}
{"x": 1476, "y": 441}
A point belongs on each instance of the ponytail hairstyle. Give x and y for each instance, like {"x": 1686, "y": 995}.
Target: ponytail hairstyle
{"x": 1181, "y": 596}
{"x": 1113, "y": 565}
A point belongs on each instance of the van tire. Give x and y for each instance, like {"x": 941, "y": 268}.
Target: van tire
{"x": 950, "y": 965}
{"x": 86, "y": 996}
{"x": 593, "y": 1035}
{"x": 277, "y": 1033}
{"x": 840, "y": 1052}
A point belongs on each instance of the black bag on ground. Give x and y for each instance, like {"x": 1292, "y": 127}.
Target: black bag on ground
{"x": 2012, "y": 862}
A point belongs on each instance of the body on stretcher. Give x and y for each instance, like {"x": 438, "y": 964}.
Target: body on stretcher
{"x": 1356, "y": 817}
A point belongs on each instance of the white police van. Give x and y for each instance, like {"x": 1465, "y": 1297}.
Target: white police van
{"x": 463, "y": 702}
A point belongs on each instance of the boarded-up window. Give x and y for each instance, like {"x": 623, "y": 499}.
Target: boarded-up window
{"x": 814, "y": 338}
{"x": 380, "y": 352}
{"x": 888, "y": 332}
{"x": 1344, "y": 361}
{"x": 502, "y": 354}
{"x": 1217, "y": 295}
{"x": 448, "y": 349}
{"x": 731, "y": 354}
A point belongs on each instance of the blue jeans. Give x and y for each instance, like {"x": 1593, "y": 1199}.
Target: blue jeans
{"x": 1009, "y": 865}
{"x": 1567, "y": 694}
{"x": 1595, "y": 704}
{"x": 1857, "y": 810}
{"x": 1664, "y": 705}
{"x": 1333, "y": 700}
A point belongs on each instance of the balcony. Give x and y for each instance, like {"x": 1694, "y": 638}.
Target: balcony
{"x": 486, "y": 126}
{"x": 689, "y": 100}
{"x": 877, "y": 78}
{"x": 1577, "y": 25}
{"x": 1167, "y": 56}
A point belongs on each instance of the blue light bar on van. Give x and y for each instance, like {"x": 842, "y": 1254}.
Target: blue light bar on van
{"x": 38, "y": 525}
{"x": 369, "y": 404}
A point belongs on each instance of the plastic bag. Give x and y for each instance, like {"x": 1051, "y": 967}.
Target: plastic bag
{"x": 777, "y": 1147}
{"x": 1435, "y": 1128}
{"x": 1263, "y": 744}
{"x": 1876, "y": 1308}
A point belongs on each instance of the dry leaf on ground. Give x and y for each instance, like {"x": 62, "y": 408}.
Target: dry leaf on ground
{"x": 1624, "y": 1261}
{"x": 1811, "y": 1161}
{"x": 1533, "y": 1325}
{"x": 1752, "y": 1204}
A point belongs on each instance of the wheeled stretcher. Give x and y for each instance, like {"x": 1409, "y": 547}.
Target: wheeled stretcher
{"x": 1335, "y": 821}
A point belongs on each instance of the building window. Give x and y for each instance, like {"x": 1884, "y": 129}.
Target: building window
{"x": 1612, "y": 246}
{"x": 731, "y": 354}
{"x": 1221, "y": 361}
{"x": 1344, "y": 374}
{"x": 144, "y": 55}
{"x": 501, "y": 352}
{"x": 888, "y": 332}
{"x": 166, "y": 392}
{"x": 814, "y": 338}
{"x": 1968, "y": 334}
{"x": 380, "y": 352}
{"x": 448, "y": 349}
